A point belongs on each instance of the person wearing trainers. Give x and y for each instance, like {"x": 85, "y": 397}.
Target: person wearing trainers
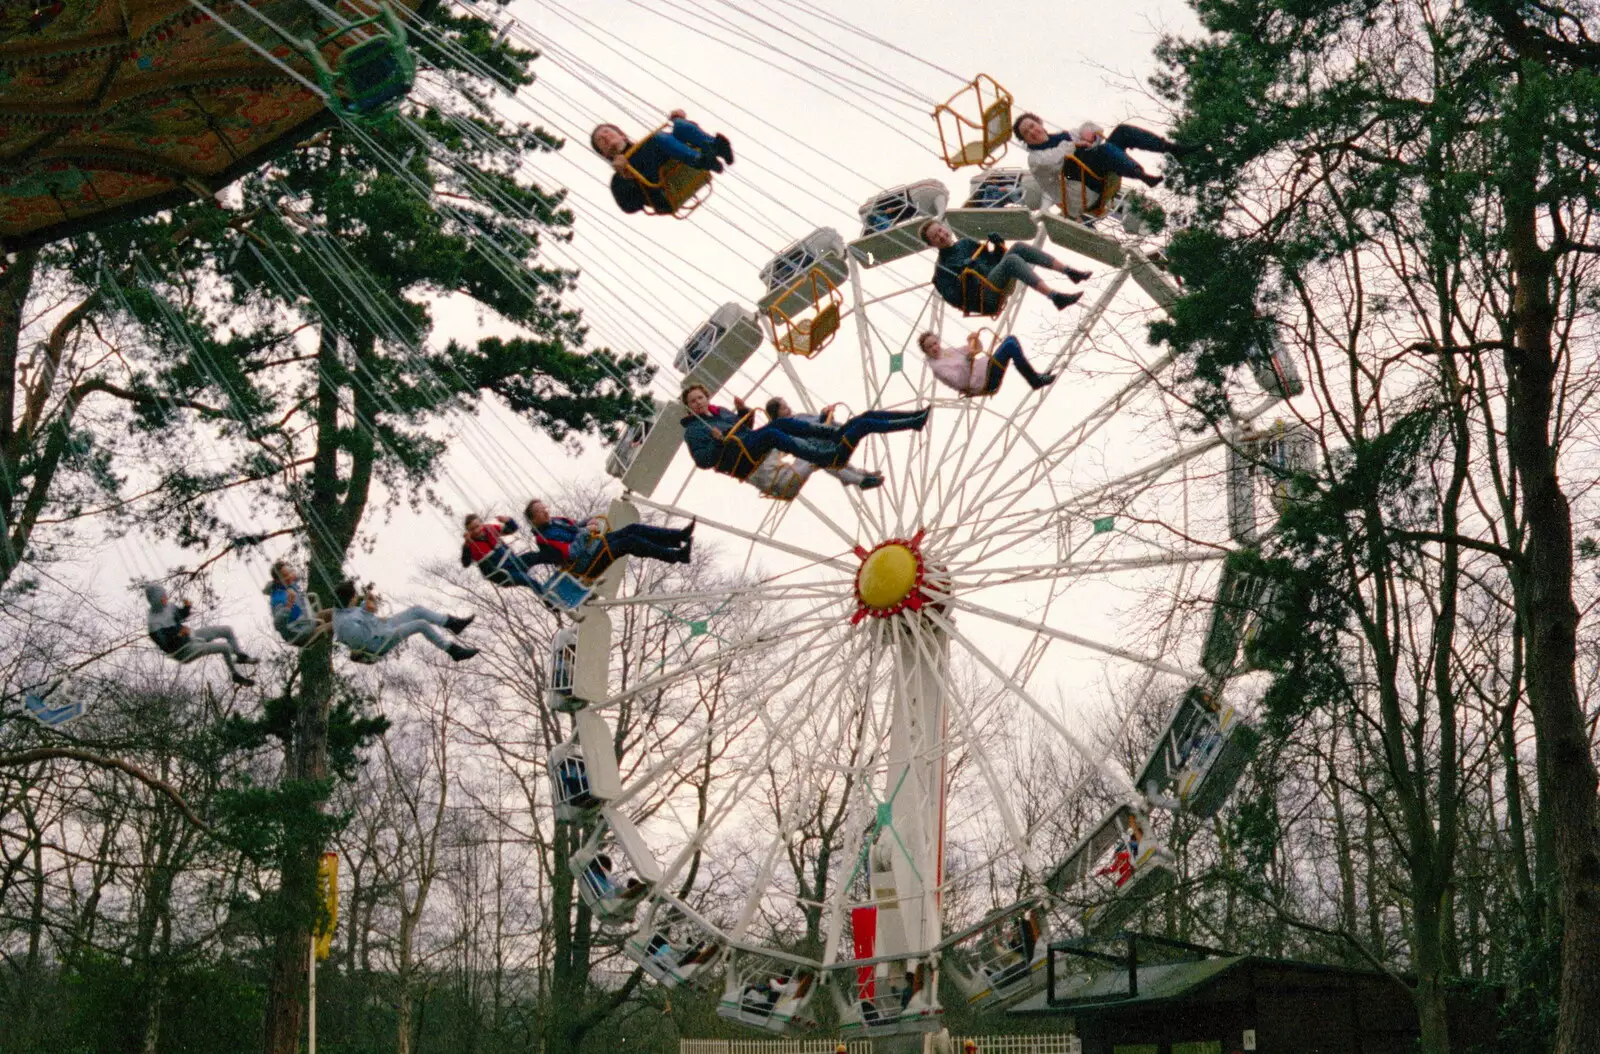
{"x": 996, "y": 264}
{"x": 686, "y": 143}
{"x": 357, "y": 625}
{"x": 779, "y": 478}
{"x": 970, "y": 371}
{"x": 589, "y": 548}
{"x": 165, "y": 624}
{"x": 1100, "y": 153}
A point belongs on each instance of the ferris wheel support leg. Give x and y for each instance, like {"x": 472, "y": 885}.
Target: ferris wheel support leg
{"x": 909, "y": 906}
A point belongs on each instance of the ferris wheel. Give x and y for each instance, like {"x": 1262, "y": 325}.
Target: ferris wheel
{"x": 1024, "y": 559}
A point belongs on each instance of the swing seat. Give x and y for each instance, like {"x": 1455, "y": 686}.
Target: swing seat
{"x": 981, "y": 297}
{"x": 564, "y": 593}
{"x": 370, "y": 74}
{"x": 678, "y": 189}
{"x": 807, "y": 336}
{"x": 778, "y": 480}
{"x": 974, "y": 123}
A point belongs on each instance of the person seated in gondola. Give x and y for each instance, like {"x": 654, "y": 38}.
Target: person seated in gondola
{"x": 294, "y": 613}
{"x": 686, "y": 143}
{"x": 574, "y": 777}
{"x": 598, "y": 875}
{"x": 484, "y": 547}
{"x": 994, "y": 267}
{"x": 760, "y": 997}
{"x": 588, "y": 549}
{"x": 165, "y": 623}
{"x": 725, "y": 440}
{"x": 971, "y": 371}
{"x": 1101, "y": 154}
{"x": 357, "y": 625}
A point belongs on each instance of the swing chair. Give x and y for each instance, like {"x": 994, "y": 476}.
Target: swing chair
{"x": 981, "y": 298}
{"x": 1102, "y": 867}
{"x": 677, "y": 189}
{"x": 567, "y": 589}
{"x": 1201, "y": 753}
{"x": 820, "y": 313}
{"x": 370, "y": 74}
{"x": 974, "y": 123}
{"x": 878, "y": 999}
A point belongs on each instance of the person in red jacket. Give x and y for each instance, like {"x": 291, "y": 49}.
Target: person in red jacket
{"x": 485, "y": 548}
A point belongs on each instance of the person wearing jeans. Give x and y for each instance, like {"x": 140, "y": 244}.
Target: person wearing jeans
{"x": 483, "y": 547}
{"x": 969, "y": 371}
{"x": 165, "y": 624}
{"x": 358, "y": 627}
{"x": 588, "y": 549}
{"x": 1101, "y": 154}
{"x": 686, "y": 143}
{"x": 996, "y": 263}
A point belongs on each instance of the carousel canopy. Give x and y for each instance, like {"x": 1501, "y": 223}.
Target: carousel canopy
{"x": 111, "y": 109}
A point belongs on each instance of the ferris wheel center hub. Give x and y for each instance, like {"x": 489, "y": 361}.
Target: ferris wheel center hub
{"x": 887, "y": 576}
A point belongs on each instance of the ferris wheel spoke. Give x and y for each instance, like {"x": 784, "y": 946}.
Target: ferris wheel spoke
{"x": 1114, "y": 775}
{"x": 1115, "y": 651}
{"x": 974, "y": 577}
{"x": 1084, "y": 502}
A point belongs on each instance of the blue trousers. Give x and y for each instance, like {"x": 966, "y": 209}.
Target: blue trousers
{"x": 1008, "y": 352}
{"x": 685, "y": 142}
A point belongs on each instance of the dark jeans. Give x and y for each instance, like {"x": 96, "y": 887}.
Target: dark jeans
{"x": 1009, "y": 351}
{"x": 818, "y": 444}
{"x": 643, "y": 539}
{"x": 878, "y": 422}
{"x": 1111, "y": 153}
{"x": 1018, "y": 265}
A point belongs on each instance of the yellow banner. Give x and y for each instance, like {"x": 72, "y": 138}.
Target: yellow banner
{"x": 328, "y": 886}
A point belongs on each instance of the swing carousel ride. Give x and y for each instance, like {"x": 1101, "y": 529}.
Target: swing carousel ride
{"x": 1024, "y": 548}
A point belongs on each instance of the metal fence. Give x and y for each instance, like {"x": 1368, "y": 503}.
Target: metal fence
{"x": 1039, "y": 1044}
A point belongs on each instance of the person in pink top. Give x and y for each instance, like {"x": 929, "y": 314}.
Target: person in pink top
{"x": 969, "y": 371}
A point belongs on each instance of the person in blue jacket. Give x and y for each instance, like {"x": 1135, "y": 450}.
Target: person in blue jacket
{"x": 725, "y": 440}
{"x": 998, "y": 264}
{"x": 686, "y": 143}
{"x": 295, "y": 614}
{"x": 588, "y": 548}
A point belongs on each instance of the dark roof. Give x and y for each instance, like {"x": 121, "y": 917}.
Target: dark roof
{"x": 1107, "y": 986}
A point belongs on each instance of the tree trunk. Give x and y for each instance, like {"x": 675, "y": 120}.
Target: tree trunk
{"x": 1543, "y": 581}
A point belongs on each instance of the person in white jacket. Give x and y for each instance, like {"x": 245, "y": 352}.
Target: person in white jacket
{"x": 357, "y": 626}
{"x": 1100, "y": 153}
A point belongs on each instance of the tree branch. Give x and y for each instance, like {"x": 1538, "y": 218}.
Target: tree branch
{"x": 28, "y": 757}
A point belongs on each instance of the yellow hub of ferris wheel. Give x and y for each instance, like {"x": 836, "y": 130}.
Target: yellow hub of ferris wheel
{"x": 890, "y": 578}
{"x": 887, "y": 577}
